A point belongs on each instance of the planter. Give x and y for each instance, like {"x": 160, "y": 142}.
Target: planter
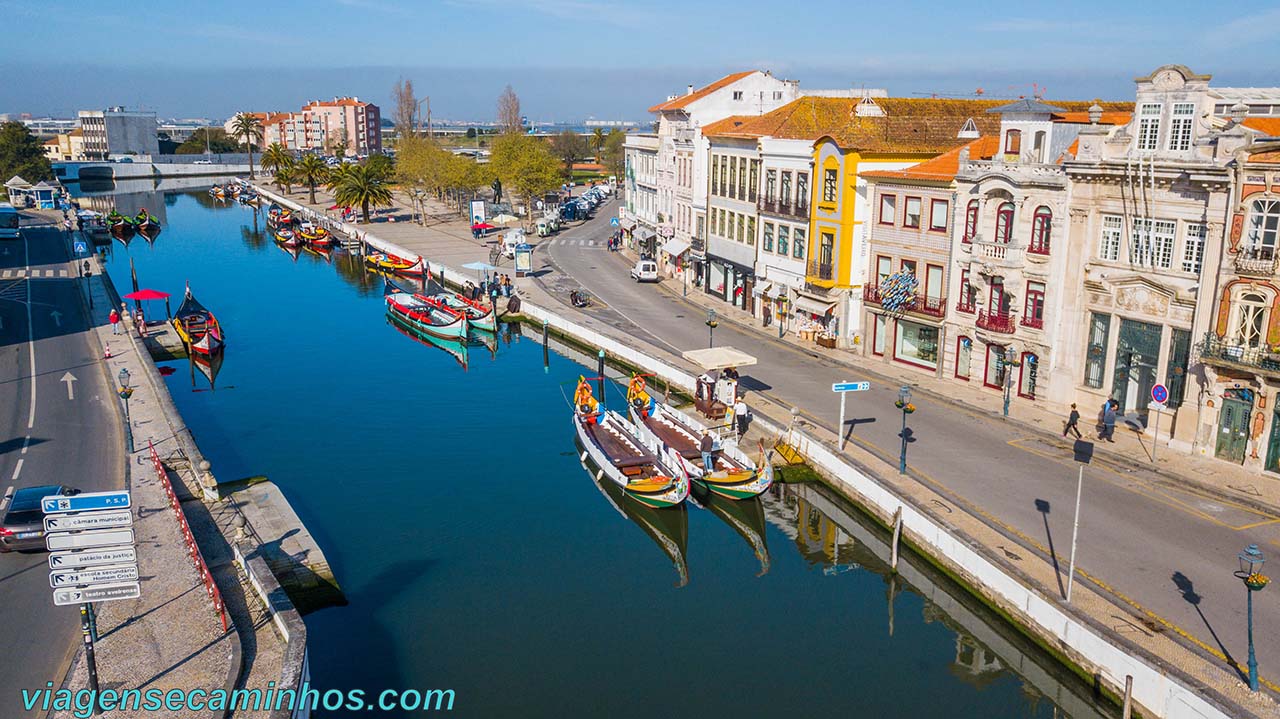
{"x": 828, "y": 342}
{"x": 1256, "y": 582}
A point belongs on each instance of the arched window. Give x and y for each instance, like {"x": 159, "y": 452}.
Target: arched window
{"x": 1004, "y": 223}
{"x": 1264, "y": 230}
{"x": 1249, "y": 319}
{"x": 1013, "y": 142}
{"x": 964, "y": 355}
{"x": 970, "y": 221}
{"x": 1041, "y": 224}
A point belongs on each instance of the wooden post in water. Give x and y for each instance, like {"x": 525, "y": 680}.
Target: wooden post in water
{"x": 600, "y": 382}
{"x": 1127, "y": 709}
{"x": 546, "y": 358}
{"x": 897, "y": 534}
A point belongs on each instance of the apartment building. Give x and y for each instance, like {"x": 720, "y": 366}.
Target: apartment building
{"x": 117, "y": 132}
{"x": 344, "y": 124}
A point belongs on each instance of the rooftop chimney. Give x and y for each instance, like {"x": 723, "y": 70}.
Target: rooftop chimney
{"x": 689, "y": 90}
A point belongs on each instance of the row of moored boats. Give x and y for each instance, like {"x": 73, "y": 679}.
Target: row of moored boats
{"x": 124, "y": 227}
{"x": 239, "y": 190}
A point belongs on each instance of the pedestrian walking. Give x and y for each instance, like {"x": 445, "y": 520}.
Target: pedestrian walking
{"x": 741, "y": 416}
{"x": 66, "y": 224}
{"x": 707, "y": 446}
{"x": 114, "y": 319}
{"x": 1108, "y": 420}
{"x": 141, "y": 322}
{"x": 1073, "y": 422}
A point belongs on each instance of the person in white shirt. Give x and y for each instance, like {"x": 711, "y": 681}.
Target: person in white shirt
{"x": 741, "y": 416}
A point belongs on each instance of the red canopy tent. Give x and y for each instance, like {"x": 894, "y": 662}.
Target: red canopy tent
{"x": 147, "y": 295}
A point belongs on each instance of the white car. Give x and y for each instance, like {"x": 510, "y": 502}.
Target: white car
{"x": 203, "y": 162}
{"x": 645, "y": 271}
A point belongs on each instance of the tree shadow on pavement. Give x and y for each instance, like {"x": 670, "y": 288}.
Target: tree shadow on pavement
{"x": 1187, "y": 589}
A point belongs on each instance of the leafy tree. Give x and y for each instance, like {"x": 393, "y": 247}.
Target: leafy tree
{"x": 361, "y": 185}
{"x": 597, "y": 141}
{"x": 22, "y": 154}
{"x": 612, "y": 157}
{"x": 525, "y": 165}
{"x": 422, "y": 162}
{"x": 381, "y": 165}
{"x": 312, "y": 171}
{"x": 509, "y": 112}
{"x": 471, "y": 133}
{"x": 338, "y": 145}
{"x": 215, "y": 139}
{"x": 249, "y": 129}
{"x": 569, "y": 146}
{"x": 275, "y": 156}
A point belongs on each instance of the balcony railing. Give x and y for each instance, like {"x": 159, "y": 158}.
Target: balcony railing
{"x": 932, "y": 306}
{"x": 698, "y": 245}
{"x": 995, "y": 322}
{"x": 1256, "y": 262}
{"x": 1215, "y": 350}
{"x": 1035, "y": 323}
{"x": 821, "y": 270}
{"x": 967, "y": 306}
{"x": 798, "y": 209}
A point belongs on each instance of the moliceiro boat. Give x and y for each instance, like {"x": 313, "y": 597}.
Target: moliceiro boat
{"x": 314, "y": 234}
{"x": 398, "y": 265}
{"x": 426, "y": 315}
{"x": 623, "y": 456}
{"x": 197, "y": 327}
{"x": 479, "y": 316}
{"x": 121, "y": 227}
{"x": 734, "y": 475}
{"x": 286, "y": 236}
{"x": 146, "y": 225}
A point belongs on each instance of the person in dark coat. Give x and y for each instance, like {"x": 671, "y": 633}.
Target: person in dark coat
{"x": 1108, "y": 420}
{"x": 1073, "y": 422}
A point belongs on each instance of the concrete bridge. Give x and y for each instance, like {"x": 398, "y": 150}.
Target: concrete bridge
{"x": 161, "y": 166}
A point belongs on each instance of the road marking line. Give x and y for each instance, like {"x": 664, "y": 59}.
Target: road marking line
{"x": 26, "y": 444}
{"x": 8, "y": 496}
{"x": 17, "y": 469}
{"x": 31, "y": 338}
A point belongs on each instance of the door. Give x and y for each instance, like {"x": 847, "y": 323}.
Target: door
{"x": 1233, "y": 430}
{"x": 1273, "y": 444}
{"x": 1137, "y": 354}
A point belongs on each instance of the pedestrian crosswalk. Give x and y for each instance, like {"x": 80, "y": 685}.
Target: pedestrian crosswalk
{"x": 36, "y": 273}
{"x": 575, "y": 242}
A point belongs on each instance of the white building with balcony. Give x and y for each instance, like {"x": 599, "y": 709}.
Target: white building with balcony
{"x": 640, "y": 186}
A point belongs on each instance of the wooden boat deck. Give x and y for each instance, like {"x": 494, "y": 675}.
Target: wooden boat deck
{"x": 622, "y": 450}
{"x": 685, "y": 440}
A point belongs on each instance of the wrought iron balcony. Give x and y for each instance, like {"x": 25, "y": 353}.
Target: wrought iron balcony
{"x": 822, "y": 271}
{"x": 798, "y": 209}
{"x": 1214, "y": 350}
{"x": 967, "y": 305}
{"x": 1035, "y": 323}
{"x": 995, "y": 322}
{"x": 931, "y": 306}
{"x": 1256, "y": 262}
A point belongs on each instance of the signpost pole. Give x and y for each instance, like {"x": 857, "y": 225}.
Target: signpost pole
{"x": 86, "y": 630}
{"x": 840, "y": 427}
{"x": 1159, "y": 396}
{"x": 1155, "y": 440}
{"x": 1075, "y": 531}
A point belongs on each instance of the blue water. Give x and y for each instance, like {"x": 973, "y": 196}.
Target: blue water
{"x": 479, "y": 556}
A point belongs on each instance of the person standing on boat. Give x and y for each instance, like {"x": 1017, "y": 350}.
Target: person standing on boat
{"x": 707, "y": 446}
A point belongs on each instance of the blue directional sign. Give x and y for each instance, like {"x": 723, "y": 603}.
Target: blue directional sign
{"x": 81, "y": 247}
{"x": 87, "y": 502}
{"x": 850, "y": 386}
{"x": 1160, "y": 393}
{"x": 614, "y": 222}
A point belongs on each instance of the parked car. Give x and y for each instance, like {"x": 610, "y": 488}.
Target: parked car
{"x": 511, "y": 240}
{"x": 203, "y": 162}
{"x": 645, "y": 271}
{"x": 22, "y": 528}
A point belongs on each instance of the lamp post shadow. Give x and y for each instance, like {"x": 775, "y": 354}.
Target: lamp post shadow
{"x": 1187, "y": 588}
{"x": 1042, "y": 506}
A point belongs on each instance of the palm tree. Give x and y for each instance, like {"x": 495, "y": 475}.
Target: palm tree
{"x": 597, "y": 141}
{"x": 249, "y": 129}
{"x": 358, "y": 185}
{"x": 275, "y": 156}
{"x": 286, "y": 175}
{"x": 312, "y": 171}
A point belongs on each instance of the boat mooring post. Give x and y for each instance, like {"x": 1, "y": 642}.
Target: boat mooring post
{"x": 1127, "y": 708}
{"x": 600, "y": 367}
{"x": 897, "y": 535}
{"x": 546, "y": 357}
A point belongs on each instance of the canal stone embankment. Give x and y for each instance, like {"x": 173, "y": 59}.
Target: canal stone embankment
{"x": 1168, "y": 679}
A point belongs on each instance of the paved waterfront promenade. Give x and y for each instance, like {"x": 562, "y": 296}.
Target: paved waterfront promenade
{"x": 976, "y": 470}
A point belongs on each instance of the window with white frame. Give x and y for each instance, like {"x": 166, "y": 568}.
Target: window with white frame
{"x": 1264, "y": 229}
{"x": 1249, "y": 319}
{"x": 770, "y": 185}
{"x": 888, "y": 209}
{"x": 1184, "y": 114}
{"x": 798, "y": 244}
{"x": 737, "y": 94}
{"x": 1193, "y": 248}
{"x": 767, "y": 239}
{"x": 1151, "y": 243}
{"x": 751, "y": 231}
{"x": 1149, "y": 126}
{"x": 784, "y": 232}
{"x": 829, "y": 180}
{"x": 938, "y": 215}
{"x": 1112, "y": 231}
{"x": 911, "y": 213}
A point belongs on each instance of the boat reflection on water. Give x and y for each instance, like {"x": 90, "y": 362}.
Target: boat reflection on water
{"x": 293, "y": 251}
{"x": 667, "y": 527}
{"x": 744, "y": 516}
{"x": 324, "y": 253}
{"x": 457, "y": 348}
{"x": 208, "y": 365}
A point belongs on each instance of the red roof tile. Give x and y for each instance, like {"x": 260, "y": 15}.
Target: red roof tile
{"x": 944, "y": 167}
{"x": 683, "y": 101}
{"x": 1269, "y": 126}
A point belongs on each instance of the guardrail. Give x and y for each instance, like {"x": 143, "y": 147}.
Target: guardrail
{"x": 210, "y": 587}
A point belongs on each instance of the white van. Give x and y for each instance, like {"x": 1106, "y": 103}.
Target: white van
{"x": 645, "y": 271}
{"x": 510, "y": 240}
{"x": 8, "y": 222}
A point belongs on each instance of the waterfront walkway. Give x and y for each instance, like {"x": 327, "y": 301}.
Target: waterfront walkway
{"x": 1157, "y": 548}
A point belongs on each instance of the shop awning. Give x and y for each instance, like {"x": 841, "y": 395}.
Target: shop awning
{"x": 644, "y": 234}
{"x": 813, "y": 305}
{"x": 675, "y": 247}
{"x": 762, "y": 290}
{"x": 714, "y": 358}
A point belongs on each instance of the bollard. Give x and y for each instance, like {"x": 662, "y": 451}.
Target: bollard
{"x": 546, "y": 357}
{"x": 600, "y": 366}
{"x": 1127, "y": 709}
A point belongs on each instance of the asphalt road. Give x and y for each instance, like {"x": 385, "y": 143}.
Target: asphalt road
{"x": 1169, "y": 549}
{"x": 49, "y": 434}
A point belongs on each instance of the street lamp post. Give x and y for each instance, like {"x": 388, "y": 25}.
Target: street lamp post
{"x": 1250, "y": 572}
{"x": 904, "y": 404}
{"x": 126, "y": 391}
{"x": 711, "y": 328}
{"x": 88, "y": 289}
{"x": 1010, "y": 361}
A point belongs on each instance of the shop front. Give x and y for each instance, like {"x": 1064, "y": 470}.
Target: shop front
{"x": 916, "y": 344}
{"x": 731, "y": 282}
{"x": 815, "y": 319}
{"x": 675, "y": 257}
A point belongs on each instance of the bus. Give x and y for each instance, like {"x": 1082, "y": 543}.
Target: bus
{"x": 8, "y": 222}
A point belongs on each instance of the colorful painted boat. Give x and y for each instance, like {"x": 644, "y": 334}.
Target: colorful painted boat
{"x": 197, "y": 327}
{"x": 385, "y": 262}
{"x": 427, "y": 316}
{"x": 286, "y": 236}
{"x": 121, "y": 227}
{"x": 623, "y": 456}
{"x": 479, "y": 316}
{"x": 456, "y": 348}
{"x": 146, "y": 225}
{"x": 314, "y": 234}
{"x": 734, "y": 476}
{"x": 668, "y": 528}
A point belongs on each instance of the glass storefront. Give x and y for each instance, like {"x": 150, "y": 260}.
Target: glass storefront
{"x": 916, "y": 344}
{"x": 717, "y": 279}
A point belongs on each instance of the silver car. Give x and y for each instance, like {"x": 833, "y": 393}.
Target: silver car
{"x": 22, "y": 528}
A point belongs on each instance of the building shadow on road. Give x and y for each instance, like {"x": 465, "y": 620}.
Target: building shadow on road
{"x": 1187, "y": 588}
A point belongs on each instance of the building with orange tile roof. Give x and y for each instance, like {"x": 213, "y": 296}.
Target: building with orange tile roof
{"x": 324, "y": 126}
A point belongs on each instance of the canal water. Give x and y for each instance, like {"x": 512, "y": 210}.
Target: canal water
{"x": 478, "y": 555}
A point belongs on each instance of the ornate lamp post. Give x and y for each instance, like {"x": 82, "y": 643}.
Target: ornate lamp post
{"x": 904, "y": 404}
{"x": 126, "y": 391}
{"x": 1250, "y": 573}
{"x": 711, "y": 328}
{"x": 1010, "y": 361}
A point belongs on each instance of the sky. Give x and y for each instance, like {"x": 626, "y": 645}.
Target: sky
{"x": 571, "y": 59}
